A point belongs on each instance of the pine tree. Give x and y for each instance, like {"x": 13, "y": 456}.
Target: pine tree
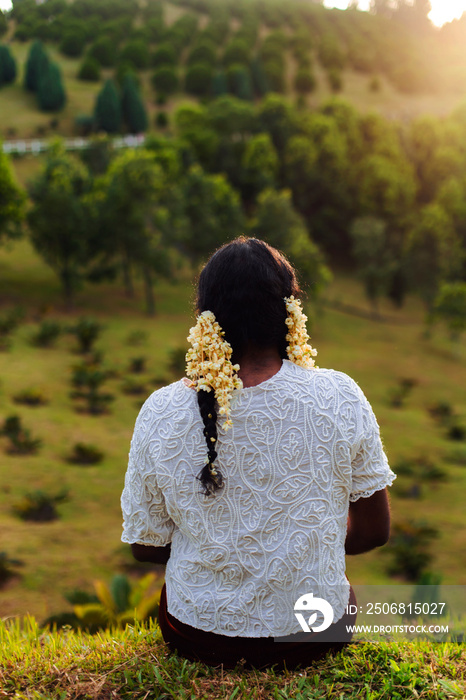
{"x": 7, "y": 66}
{"x": 50, "y": 91}
{"x": 132, "y": 106}
{"x": 107, "y": 112}
{"x": 36, "y": 66}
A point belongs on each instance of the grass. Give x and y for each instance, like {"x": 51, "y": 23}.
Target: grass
{"x": 84, "y": 543}
{"x": 134, "y": 663}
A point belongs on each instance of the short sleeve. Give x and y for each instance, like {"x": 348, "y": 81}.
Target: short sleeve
{"x": 370, "y": 469}
{"x": 145, "y": 517}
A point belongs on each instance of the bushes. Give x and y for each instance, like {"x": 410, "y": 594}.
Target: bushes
{"x": 20, "y": 440}
{"x": 409, "y": 549}
{"x": 73, "y": 42}
{"x": 8, "y": 69}
{"x": 85, "y": 454}
{"x": 89, "y": 70}
{"x": 50, "y": 91}
{"x": 136, "y": 52}
{"x": 39, "y": 506}
{"x": 304, "y": 81}
{"x": 87, "y": 330}
{"x": 31, "y": 397}
{"x": 165, "y": 80}
{"x": 104, "y": 52}
{"x": 198, "y": 80}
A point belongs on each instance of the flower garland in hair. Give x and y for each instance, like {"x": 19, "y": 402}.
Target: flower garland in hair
{"x": 299, "y": 351}
{"x": 209, "y": 365}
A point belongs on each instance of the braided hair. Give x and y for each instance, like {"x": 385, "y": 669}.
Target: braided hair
{"x": 243, "y": 284}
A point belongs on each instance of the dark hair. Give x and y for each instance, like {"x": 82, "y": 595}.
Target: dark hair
{"x": 243, "y": 284}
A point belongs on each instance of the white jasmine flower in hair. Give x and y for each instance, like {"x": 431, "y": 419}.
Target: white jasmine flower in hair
{"x": 299, "y": 351}
{"x": 209, "y": 364}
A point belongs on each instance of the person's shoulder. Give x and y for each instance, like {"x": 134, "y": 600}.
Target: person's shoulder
{"x": 169, "y": 398}
{"x": 323, "y": 378}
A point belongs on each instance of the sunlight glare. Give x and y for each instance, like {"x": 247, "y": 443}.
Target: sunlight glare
{"x": 446, "y": 10}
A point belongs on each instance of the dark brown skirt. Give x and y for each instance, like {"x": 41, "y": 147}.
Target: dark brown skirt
{"x": 254, "y": 652}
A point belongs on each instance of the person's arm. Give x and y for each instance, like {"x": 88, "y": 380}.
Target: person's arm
{"x": 155, "y": 555}
{"x": 368, "y": 523}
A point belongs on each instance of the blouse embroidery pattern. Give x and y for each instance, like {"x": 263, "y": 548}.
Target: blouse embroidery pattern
{"x": 303, "y": 445}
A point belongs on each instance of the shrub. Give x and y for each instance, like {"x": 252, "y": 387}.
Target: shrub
{"x": 408, "y": 548}
{"x": 116, "y": 605}
{"x": 457, "y": 432}
{"x": 7, "y": 567}
{"x": 107, "y": 111}
{"x": 198, "y": 80}
{"x": 31, "y": 397}
{"x": 47, "y": 334}
{"x": 203, "y": 52}
{"x": 9, "y": 321}
{"x": 274, "y": 72}
{"x": 87, "y": 330}
{"x": 236, "y": 51}
{"x": 104, "y": 51}
{"x": 132, "y": 106}
{"x": 89, "y": 70}
{"x": 51, "y": 94}
{"x": 88, "y": 379}
{"x": 7, "y": 66}
{"x": 304, "y": 81}
{"x": 84, "y": 124}
{"x": 164, "y": 55}
{"x": 397, "y": 395}
{"x": 442, "y": 412}
{"x": 239, "y": 81}
{"x": 39, "y": 506}
{"x": 335, "y": 79}
{"x": 73, "y": 42}
{"x": 165, "y": 80}
{"x": 137, "y": 365}
{"x": 21, "y": 442}
{"x": 137, "y": 53}
{"x": 85, "y": 454}
{"x": 161, "y": 120}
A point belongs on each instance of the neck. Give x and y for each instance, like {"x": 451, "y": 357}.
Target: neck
{"x": 256, "y": 366}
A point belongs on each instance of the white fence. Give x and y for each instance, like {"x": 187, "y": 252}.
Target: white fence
{"x": 36, "y": 146}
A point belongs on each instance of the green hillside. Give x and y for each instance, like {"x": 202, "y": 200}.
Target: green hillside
{"x": 400, "y": 66}
{"x": 83, "y": 544}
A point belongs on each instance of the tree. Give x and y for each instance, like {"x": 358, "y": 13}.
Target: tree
{"x": 304, "y": 81}
{"x": 279, "y": 224}
{"x": 3, "y": 24}
{"x": 36, "y": 66}
{"x": 137, "y": 53}
{"x": 7, "y": 66}
{"x": 260, "y": 165}
{"x": 58, "y": 219}
{"x": 164, "y": 55}
{"x": 165, "y": 80}
{"x": 132, "y": 106}
{"x": 434, "y": 253}
{"x": 133, "y": 219}
{"x": 89, "y": 70}
{"x": 372, "y": 256}
{"x": 450, "y": 307}
{"x": 50, "y": 91}
{"x": 107, "y": 111}
{"x": 104, "y": 51}
{"x": 73, "y": 42}
{"x": 212, "y": 212}
{"x": 198, "y": 80}
{"x": 12, "y": 200}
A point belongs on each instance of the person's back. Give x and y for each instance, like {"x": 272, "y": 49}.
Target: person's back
{"x": 245, "y": 546}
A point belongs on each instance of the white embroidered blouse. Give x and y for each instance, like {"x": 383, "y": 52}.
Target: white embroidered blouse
{"x": 303, "y": 444}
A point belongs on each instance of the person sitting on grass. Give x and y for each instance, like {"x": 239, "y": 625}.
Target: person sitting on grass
{"x": 254, "y": 475}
